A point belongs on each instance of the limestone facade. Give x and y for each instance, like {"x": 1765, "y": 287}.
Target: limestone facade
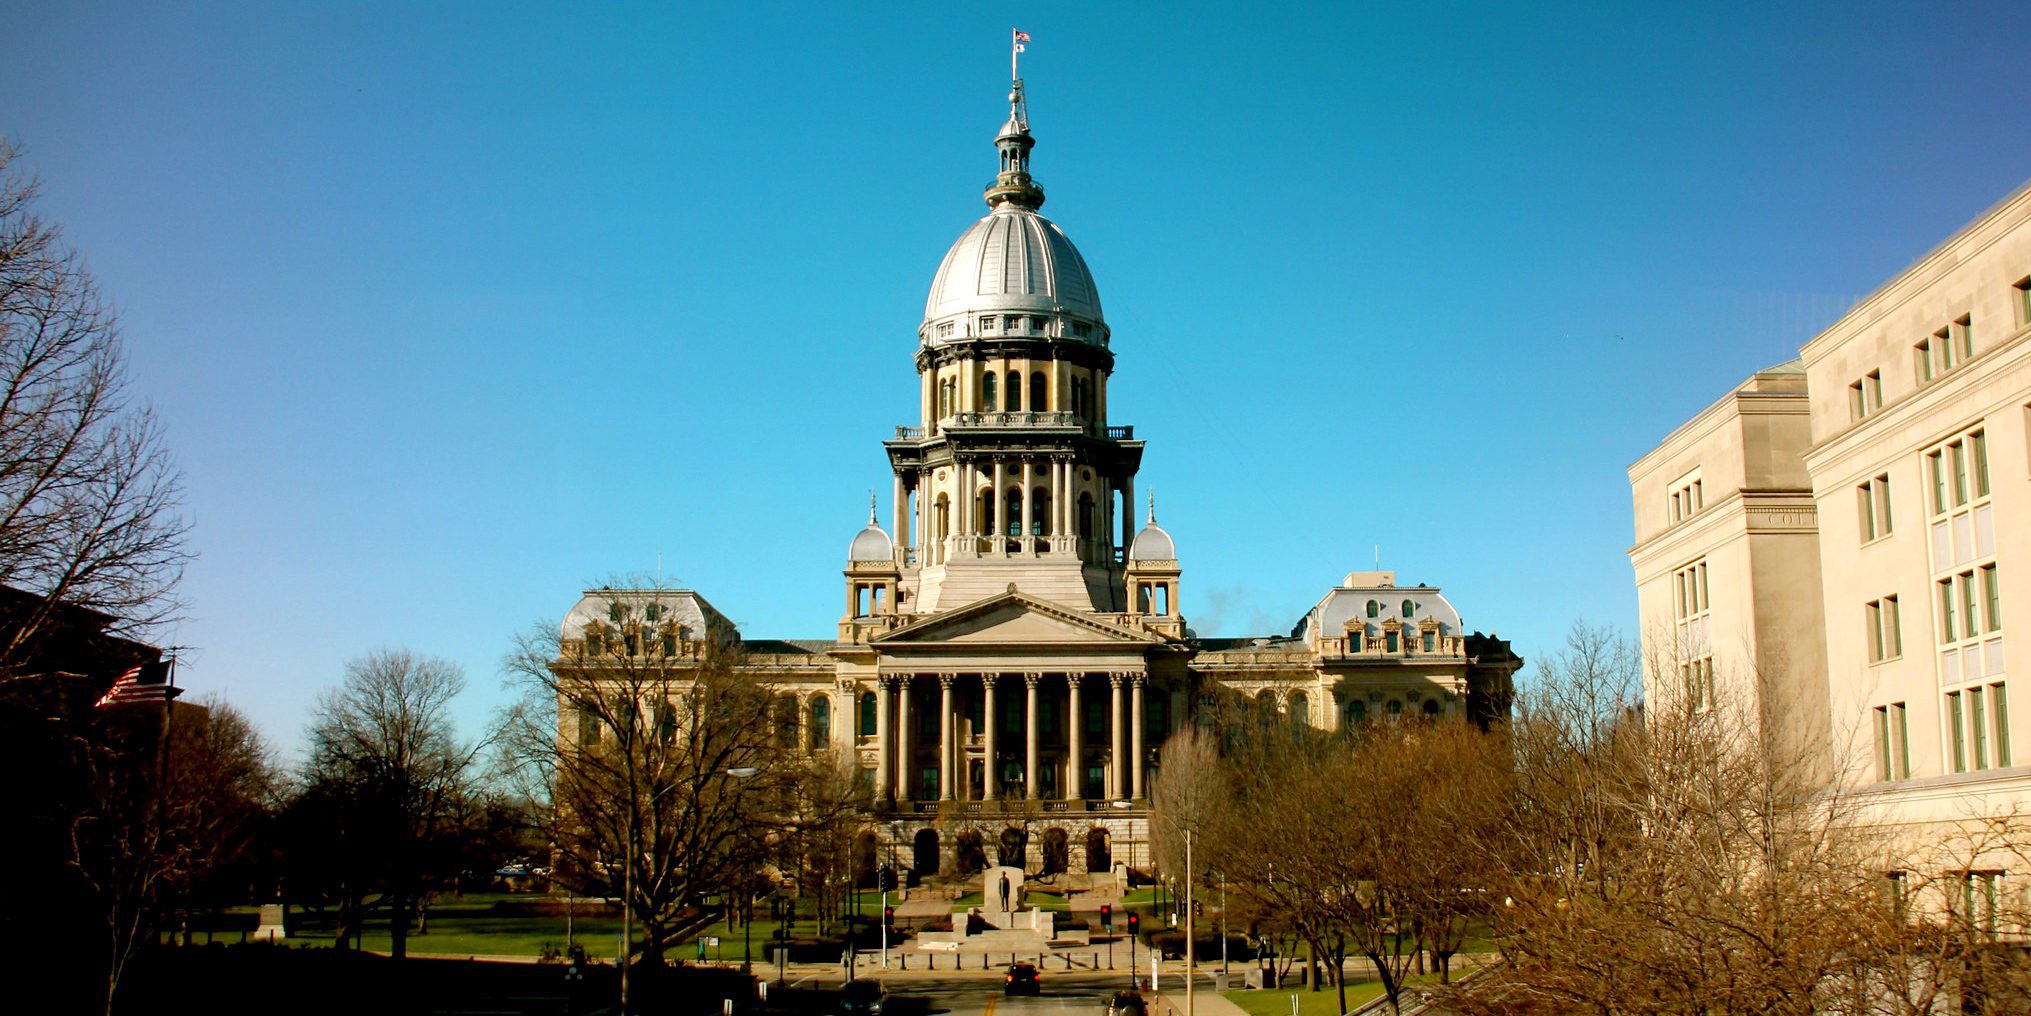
{"x": 1857, "y": 523}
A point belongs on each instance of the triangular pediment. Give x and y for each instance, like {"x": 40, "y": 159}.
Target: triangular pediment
{"x": 1014, "y": 618}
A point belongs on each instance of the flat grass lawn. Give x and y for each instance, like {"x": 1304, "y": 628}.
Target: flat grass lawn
{"x": 1277, "y": 1001}
{"x": 470, "y": 926}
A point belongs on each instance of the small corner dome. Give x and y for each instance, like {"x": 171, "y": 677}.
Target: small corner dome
{"x": 1152, "y": 544}
{"x": 871, "y": 544}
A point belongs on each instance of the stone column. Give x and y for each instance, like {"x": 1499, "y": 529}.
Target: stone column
{"x": 1127, "y": 518}
{"x": 1030, "y": 732}
{"x": 947, "y": 744}
{"x": 884, "y": 764}
{"x": 997, "y": 506}
{"x": 900, "y": 509}
{"x": 1075, "y": 739}
{"x": 987, "y": 737}
{"x": 1118, "y": 743}
{"x": 905, "y": 790}
{"x": 1135, "y": 715}
{"x": 1029, "y": 510}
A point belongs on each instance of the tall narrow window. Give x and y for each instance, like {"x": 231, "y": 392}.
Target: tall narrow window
{"x": 1999, "y": 703}
{"x": 1959, "y": 724}
{"x": 1014, "y": 524}
{"x": 1013, "y": 400}
{"x": 1039, "y": 392}
{"x": 1872, "y": 502}
{"x": 821, "y": 721}
{"x": 1901, "y": 729}
{"x": 988, "y": 400}
{"x": 1978, "y": 719}
{"x": 1882, "y": 727}
{"x": 1978, "y": 443}
{"x": 867, "y": 714}
{"x": 2023, "y": 295}
{"x": 1992, "y": 593}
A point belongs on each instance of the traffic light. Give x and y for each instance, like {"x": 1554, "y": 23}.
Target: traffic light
{"x": 886, "y": 878}
{"x": 1107, "y": 916}
{"x": 1134, "y": 922}
{"x": 1198, "y": 908}
{"x": 888, "y": 917}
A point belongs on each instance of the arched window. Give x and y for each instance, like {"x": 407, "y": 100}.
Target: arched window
{"x": 867, "y": 714}
{"x": 1037, "y": 391}
{"x": 1301, "y": 709}
{"x": 1357, "y": 713}
{"x": 1395, "y": 710}
{"x": 1408, "y": 607}
{"x": 1079, "y": 395}
{"x": 987, "y": 399}
{"x": 1013, "y": 524}
{"x": 1085, "y": 516}
{"x": 1374, "y": 609}
{"x": 786, "y": 721}
{"x": 821, "y": 721}
{"x": 941, "y": 518}
{"x": 1431, "y": 708}
{"x": 1040, "y": 511}
{"x": 1014, "y": 399}
{"x": 985, "y": 522}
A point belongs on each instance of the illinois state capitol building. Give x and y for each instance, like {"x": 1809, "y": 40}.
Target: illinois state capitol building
{"x": 1013, "y": 648}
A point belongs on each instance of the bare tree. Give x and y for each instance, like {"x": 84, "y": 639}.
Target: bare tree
{"x": 177, "y": 791}
{"x": 658, "y": 756}
{"x": 392, "y": 784}
{"x": 88, "y": 495}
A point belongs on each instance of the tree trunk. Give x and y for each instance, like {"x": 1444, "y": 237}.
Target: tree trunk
{"x": 1340, "y": 971}
{"x": 398, "y": 926}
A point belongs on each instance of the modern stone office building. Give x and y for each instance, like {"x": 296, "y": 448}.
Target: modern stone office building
{"x": 1853, "y": 527}
{"x": 1013, "y": 648}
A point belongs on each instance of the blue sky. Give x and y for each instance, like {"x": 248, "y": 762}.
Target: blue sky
{"x": 452, "y": 311}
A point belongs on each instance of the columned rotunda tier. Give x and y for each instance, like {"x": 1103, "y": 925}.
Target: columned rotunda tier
{"x": 1013, "y": 649}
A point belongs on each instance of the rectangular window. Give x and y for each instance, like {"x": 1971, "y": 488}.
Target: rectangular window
{"x": 2023, "y": 295}
{"x": 1431, "y": 642}
{"x": 1959, "y": 724}
{"x": 1882, "y": 720}
{"x": 1992, "y": 592}
{"x": 1896, "y": 892}
{"x": 1901, "y": 729}
{"x": 1872, "y": 501}
{"x": 1886, "y": 639}
{"x": 1935, "y": 466}
{"x": 987, "y": 324}
{"x": 1962, "y": 333}
{"x": 1978, "y": 721}
{"x": 1688, "y": 496}
{"x": 1948, "y": 632}
{"x": 1978, "y": 899}
{"x": 1922, "y": 354}
{"x": 1999, "y": 704}
{"x": 1865, "y": 396}
{"x": 1979, "y": 443}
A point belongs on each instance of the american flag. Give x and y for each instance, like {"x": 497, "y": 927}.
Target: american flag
{"x": 1020, "y": 38}
{"x": 147, "y": 684}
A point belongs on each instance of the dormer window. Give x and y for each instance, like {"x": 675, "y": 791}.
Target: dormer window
{"x": 1408, "y": 607}
{"x": 1081, "y": 329}
{"x": 1374, "y": 609}
{"x": 1012, "y": 322}
{"x": 1040, "y": 324}
{"x": 944, "y": 329}
{"x": 987, "y": 323}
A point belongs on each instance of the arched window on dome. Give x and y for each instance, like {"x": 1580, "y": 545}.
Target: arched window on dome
{"x": 1374, "y": 609}
{"x": 1408, "y": 607}
{"x": 1040, "y": 511}
{"x": 1012, "y": 523}
{"x": 1079, "y": 396}
{"x": 988, "y": 402}
{"x": 1037, "y": 391}
{"x": 1014, "y": 399}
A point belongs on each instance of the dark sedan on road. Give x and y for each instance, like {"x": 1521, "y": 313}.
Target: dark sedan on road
{"x": 1021, "y": 980}
{"x": 862, "y": 998}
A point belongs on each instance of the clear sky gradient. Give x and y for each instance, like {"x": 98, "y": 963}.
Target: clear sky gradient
{"x": 454, "y": 310}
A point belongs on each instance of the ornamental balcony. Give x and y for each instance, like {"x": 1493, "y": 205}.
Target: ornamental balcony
{"x": 1013, "y": 421}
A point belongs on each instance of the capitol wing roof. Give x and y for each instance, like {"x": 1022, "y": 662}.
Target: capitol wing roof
{"x": 1013, "y": 259}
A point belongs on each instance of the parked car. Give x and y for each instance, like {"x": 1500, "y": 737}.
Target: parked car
{"x": 862, "y": 998}
{"x": 1126, "y": 1003}
{"x": 1021, "y": 980}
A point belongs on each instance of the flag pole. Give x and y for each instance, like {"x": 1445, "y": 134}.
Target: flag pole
{"x": 1014, "y": 48}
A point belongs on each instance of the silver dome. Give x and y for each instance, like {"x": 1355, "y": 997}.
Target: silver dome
{"x": 871, "y": 544}
{"x": 1013, "y": 260}
{"x": 1152, "y": 544}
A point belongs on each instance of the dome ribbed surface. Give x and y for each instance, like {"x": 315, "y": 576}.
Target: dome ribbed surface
{"x": 1013, "y": 259}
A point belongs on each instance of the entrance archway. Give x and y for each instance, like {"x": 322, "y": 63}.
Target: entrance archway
{"x": 1056, "y": 853}
{"x": 1098, "y": 856}
{"x": 924, "y": 853}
